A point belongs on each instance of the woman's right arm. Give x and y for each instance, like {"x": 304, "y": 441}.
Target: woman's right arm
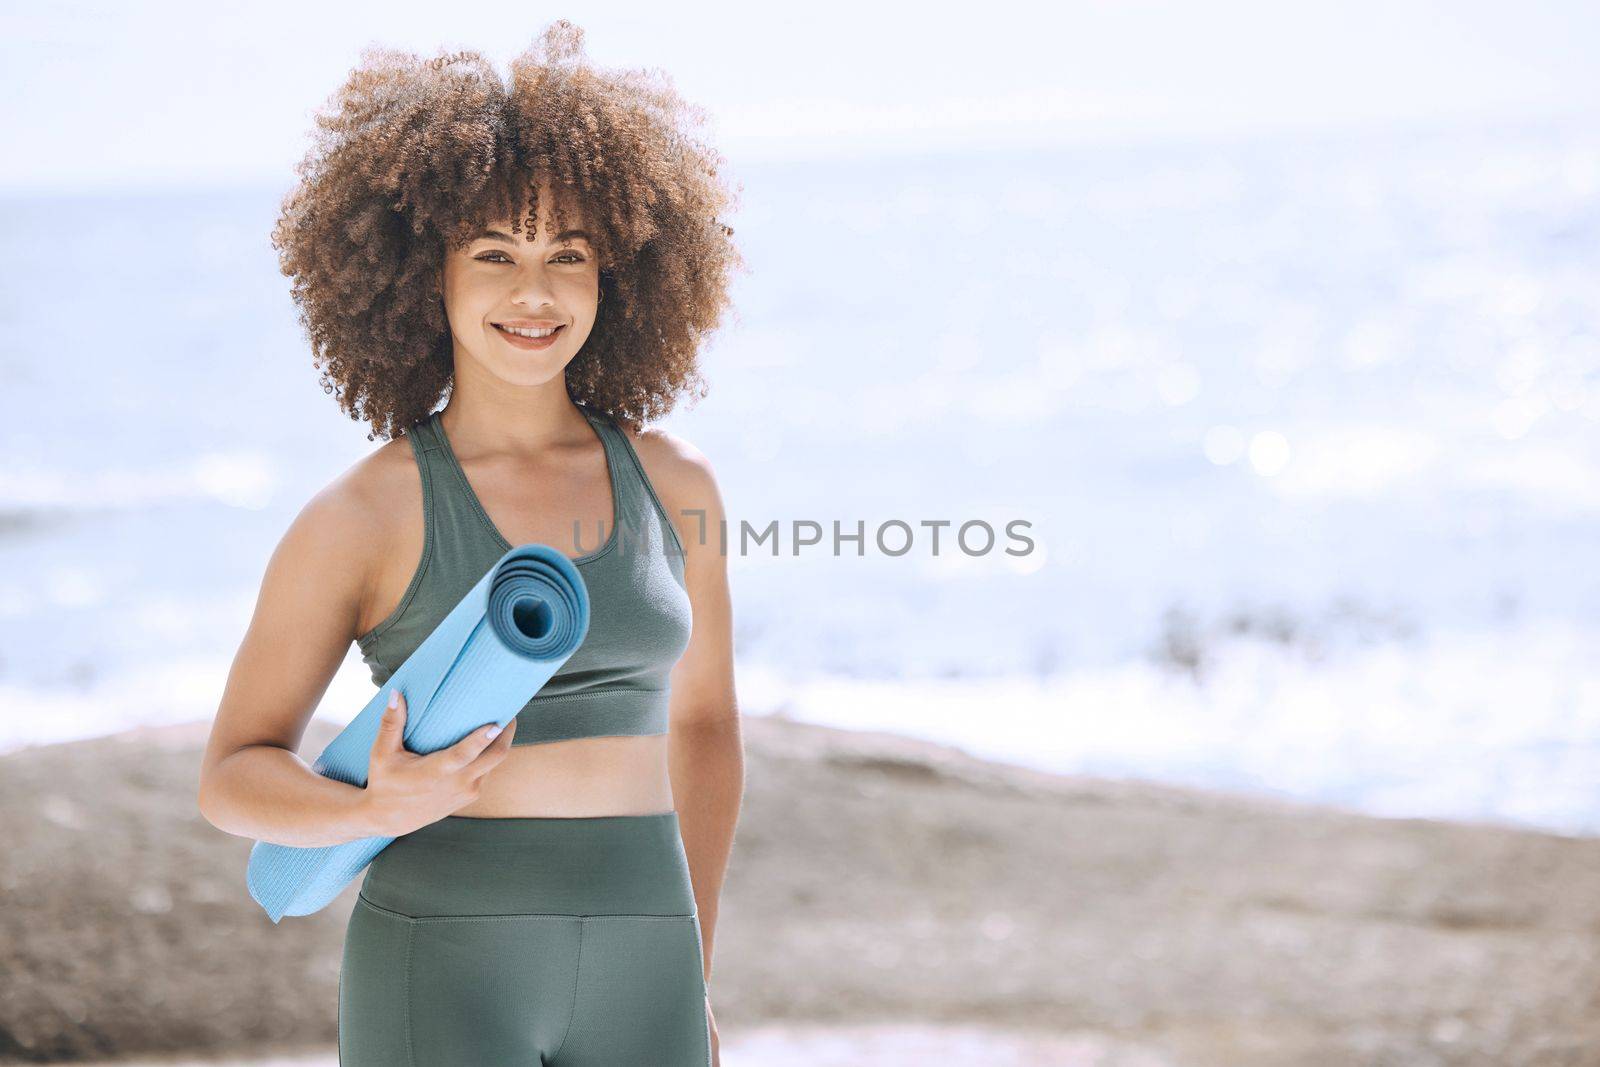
{"x": 252, "y": 782}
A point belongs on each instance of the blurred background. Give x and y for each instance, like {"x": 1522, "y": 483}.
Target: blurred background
{"x": 1279, "y": 325}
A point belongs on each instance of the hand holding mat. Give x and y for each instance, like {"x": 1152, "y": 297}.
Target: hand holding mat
{"x": 484, "y": 661}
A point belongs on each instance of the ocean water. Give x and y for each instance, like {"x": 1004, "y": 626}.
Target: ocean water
{"x": 1305, "y": 431}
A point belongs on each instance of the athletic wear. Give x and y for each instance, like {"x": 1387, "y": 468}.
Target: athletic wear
{"x": 539, "y": 942}
{"x": 616, "y": 682}
{"x": 536, "y": 942}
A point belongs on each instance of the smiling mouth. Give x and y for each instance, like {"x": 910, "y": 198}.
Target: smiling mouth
{"x": 527, "y": 337}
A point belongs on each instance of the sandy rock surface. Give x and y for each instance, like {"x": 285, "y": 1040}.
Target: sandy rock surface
{"x": 875, "y": 880}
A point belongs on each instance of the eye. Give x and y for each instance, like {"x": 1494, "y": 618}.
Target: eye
{"x": 575, "y": 257}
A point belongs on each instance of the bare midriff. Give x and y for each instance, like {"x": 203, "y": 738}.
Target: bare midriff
{"x": 586, "y": 776}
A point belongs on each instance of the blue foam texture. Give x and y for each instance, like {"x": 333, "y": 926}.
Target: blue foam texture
{"x": 484, "y": 661}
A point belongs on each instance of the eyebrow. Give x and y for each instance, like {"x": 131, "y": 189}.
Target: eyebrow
{"x": 564, "y": 235}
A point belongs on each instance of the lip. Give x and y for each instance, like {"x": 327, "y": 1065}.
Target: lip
{"x": 530, "y": 343}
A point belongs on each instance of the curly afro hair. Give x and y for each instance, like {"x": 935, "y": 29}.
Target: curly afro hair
{"x": 413, "y": 155}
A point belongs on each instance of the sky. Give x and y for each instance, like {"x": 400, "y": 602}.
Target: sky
{"x": 105, "y": 97}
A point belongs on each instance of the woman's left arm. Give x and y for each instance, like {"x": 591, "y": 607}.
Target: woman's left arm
{"x": 705, "y": 748}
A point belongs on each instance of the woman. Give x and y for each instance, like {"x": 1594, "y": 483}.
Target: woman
{"x": 545, "y": 255}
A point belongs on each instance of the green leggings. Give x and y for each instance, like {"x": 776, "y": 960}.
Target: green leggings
{"x": 526, "y": 942}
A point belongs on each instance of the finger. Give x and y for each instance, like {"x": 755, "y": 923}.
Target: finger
{"x": 464, "y": 751}
{"x": 391, "y": 727}
{"x": 497, "y": 750}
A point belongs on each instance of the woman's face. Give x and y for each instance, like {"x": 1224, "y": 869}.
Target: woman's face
{"x": 501, "y": 279}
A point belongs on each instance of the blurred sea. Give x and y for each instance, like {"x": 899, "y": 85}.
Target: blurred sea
{"x": 1307, "y": 431}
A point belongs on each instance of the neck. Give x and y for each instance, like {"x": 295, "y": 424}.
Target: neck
{"x": 520, "y": 423}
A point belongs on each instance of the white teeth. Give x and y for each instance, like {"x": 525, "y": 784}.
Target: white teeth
{"x": 529, "y": 333}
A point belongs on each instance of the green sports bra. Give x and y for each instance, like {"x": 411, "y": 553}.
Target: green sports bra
{"x": 639, "y": 613}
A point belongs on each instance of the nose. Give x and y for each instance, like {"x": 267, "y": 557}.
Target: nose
{"x": 532, "y": 289}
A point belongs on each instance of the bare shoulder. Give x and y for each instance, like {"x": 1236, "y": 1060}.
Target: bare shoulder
{"x": 347, "y": 529}
{"x": 674, "y": 464}
{"x": 380, "y": 484}
{"x": 359, "y": 507}
{"x": 313, "y": 592}
{"x": 683, "y": 478}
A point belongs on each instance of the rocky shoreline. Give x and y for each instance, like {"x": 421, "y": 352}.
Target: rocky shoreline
{"x": 875, "y": 880}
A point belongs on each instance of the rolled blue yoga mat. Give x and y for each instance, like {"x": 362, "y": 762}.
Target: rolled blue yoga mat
{"x": 485, "y": 660}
